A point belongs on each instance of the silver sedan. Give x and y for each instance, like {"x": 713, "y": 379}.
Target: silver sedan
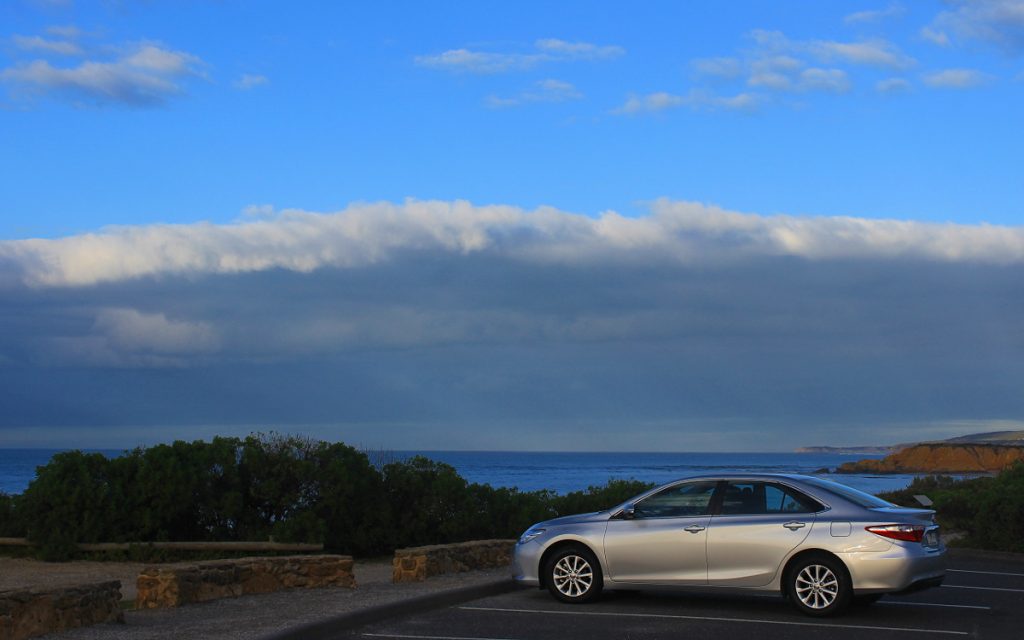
{"x": 820, "y": 543}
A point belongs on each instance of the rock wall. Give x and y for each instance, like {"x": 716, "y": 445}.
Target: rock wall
{"x": 178, "y": 584}
{"x": 419, "y": 563}
{"x": 27, "y": 613}
{"x": 941, "y": 458}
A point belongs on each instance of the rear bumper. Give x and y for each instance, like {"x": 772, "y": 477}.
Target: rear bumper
{"x": 902, "y": 568}
{"x": 924, "y": 583}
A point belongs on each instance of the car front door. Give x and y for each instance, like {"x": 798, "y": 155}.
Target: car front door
{"x": 758, "y": 524}
{"x": 664, "y": 539}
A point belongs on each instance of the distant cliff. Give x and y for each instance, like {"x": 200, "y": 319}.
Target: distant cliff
{"x": 941, "y": 458}
{"x": 880, "y": 449}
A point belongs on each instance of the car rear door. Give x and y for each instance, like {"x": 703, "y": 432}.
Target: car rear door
{"x": 758, "y": 524}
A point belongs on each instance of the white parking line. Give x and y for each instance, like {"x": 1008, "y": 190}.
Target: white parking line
{"x": 398, "y": 635}
{"x": 717, "y": 619}
{"x": 987, "y": 573}
{"x": 935, "y": 604}
{"x": 961, "y": 586}
{"x": 394, "y": 635}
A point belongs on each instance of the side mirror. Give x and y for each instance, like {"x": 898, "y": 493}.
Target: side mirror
{"x": 628, "y": 512}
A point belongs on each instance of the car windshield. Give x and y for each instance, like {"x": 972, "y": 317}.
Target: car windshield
{"x": 849, "y": 493}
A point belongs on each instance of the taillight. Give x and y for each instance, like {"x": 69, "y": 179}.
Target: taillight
{"x": 905, "y": 532}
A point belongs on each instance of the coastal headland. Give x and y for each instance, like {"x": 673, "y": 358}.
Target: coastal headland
{"x": 941, "y": 458}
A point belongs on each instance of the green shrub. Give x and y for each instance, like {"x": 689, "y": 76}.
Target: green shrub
{"x": 999, "y": 512}
{"x": 599, "y": 498}
{"x": 11, "y": 524}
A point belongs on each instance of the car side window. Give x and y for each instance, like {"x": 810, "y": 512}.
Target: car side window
{"x": 786, "y": 500}
{"x": 755, "y": 498}
{"x": 687, "y": 499}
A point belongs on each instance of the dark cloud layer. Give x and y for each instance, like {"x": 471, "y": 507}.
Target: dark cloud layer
{"x": 486, "y": 349}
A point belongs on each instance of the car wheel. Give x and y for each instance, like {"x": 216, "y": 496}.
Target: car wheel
{"x": 573, "y": 575}
{"x": 819, "y": 586}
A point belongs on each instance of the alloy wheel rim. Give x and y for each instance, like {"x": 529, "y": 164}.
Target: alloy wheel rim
{"x": 573, "y": 576}
{"x": 817, "y": 586}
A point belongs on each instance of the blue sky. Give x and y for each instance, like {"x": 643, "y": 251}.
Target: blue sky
{"x": 511, "y": 215}
{"x": 354, "y": 102}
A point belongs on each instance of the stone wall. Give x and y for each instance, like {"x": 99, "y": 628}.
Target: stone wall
{"x": 27, "y": 613}
{"x": 178, "y": 584}
{"x": 419, "y": 563}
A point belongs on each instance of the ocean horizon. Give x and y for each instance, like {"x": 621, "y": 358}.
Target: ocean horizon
{"x": 561, "y": 472}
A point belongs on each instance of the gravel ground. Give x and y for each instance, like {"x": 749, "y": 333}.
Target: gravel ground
{"x": 255, "y": 616}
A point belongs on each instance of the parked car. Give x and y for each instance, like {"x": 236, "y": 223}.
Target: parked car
{"x": 820, "y": 543}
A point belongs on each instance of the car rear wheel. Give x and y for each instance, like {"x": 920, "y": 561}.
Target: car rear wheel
{"x": 573, "y": 575}
{"x": 819, "y": 586}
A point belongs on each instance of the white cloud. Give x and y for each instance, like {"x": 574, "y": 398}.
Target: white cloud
{"x": 143, "y": 75}
{"x": 723, "y": 67}
{"x": 812, "y": 79}
{"x": 935, "y": 36}
{"x": 876, "y": 52}
{"x": 132, "y": 330}
{"x": 367, "y": 234}
{"x": 69, "y": 31}
{"x": 549, "y": 90}
{"x": 892, "y": 85}
{"x": 879, "y": 53}
{"x": 489, "y": 62}
{"x": 578, "y": 50}
{"x": 38, "y": 43}
{"x": 771, "y": 80}
{"x": 997, "y": 22}
{"x": 249, "y": 81}
{"x": 125, "y": 337}
{"x": 695, "y": 99}
{"x": 875, "y": 15}
{"x": 828, "y": 80}
{"x": 957, "y": 79}
{"x": 479, "y": 61}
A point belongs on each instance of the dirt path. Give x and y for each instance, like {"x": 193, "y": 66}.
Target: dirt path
{"x": 19, "y": 573}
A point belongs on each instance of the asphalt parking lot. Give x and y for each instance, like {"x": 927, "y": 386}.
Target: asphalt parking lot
{"x": 983, "y": 597}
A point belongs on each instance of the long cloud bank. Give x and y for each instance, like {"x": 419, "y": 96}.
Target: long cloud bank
{"x": 366, "y": 234}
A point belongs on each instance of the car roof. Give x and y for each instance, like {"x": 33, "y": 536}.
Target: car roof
{"x": 745, "y": 476}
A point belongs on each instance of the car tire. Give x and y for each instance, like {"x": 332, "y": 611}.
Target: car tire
{"x": 818, "y": 585}
{"x": 573, "y": 575}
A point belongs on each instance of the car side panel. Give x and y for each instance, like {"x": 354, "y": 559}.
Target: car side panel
{"x": 747, "y": 550}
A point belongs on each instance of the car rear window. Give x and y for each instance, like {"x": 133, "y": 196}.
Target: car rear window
{"x": 849, "y": 493}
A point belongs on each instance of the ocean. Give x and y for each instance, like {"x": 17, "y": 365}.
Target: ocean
{"x": 560, "y": 472}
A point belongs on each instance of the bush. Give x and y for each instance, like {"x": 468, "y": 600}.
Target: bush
{"x": 989, "y": 511}
{"x": 999, "y": 512}
{"x": 11, "y": 525}
{"x": 599, "y": 498}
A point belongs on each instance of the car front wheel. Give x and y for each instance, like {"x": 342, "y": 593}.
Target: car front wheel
{"x": 573, "y": 575}
{"x": 819, "y": 586}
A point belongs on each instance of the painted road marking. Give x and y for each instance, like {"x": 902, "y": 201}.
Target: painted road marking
{"x": 934, "y": 604}
{"x": 399, "y": 635}
{"x": 961, "y": 586}
{"x": 717, "y": 619}
{"x": 987, "y": 573}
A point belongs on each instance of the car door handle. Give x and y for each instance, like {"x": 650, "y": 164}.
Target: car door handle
{"x": 694, "y": 528}
{"x": 793, "y": 525}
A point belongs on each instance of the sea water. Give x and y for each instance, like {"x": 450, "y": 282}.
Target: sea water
{"x": 559, "y": 472}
